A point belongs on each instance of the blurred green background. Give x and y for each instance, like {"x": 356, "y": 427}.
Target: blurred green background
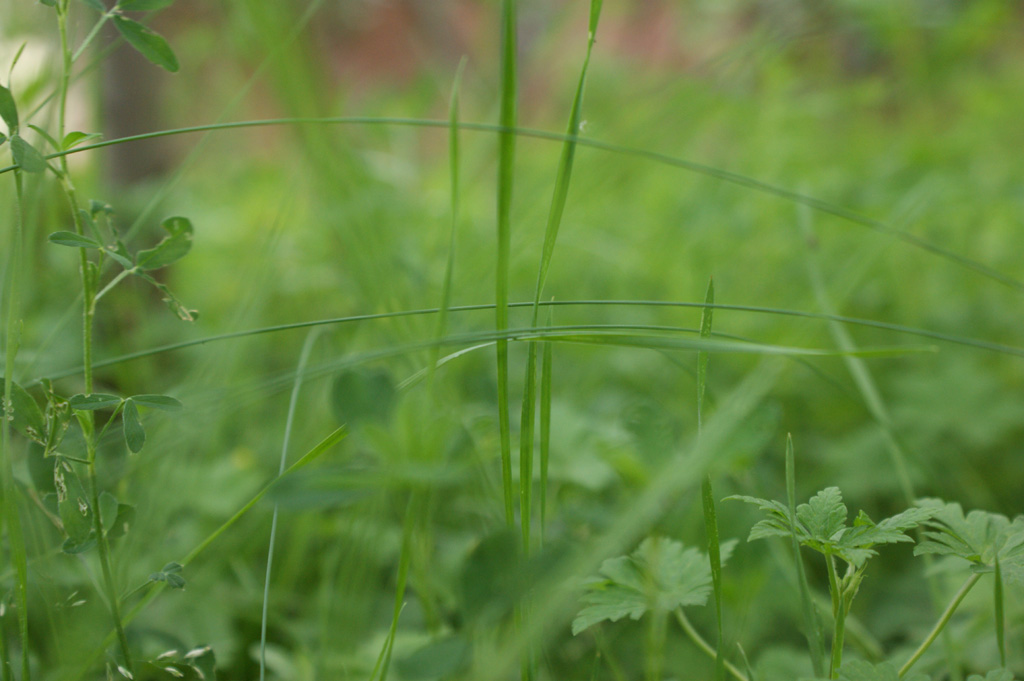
{"x": 906, "y": 112}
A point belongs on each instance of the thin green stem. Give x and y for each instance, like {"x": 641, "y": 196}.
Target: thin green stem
{"x": 704, "y": 646}
{"x": 947, "y": 614}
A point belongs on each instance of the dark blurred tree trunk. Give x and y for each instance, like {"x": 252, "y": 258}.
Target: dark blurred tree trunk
{"x": 131, "y": 105}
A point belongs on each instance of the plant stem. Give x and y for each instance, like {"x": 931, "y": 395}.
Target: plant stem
{"x": 87, "y": 419}
{"x": 704, "y": 646}
{"x": 943, "y": 620}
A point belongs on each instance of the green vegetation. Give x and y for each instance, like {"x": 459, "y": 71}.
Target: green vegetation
{"x": 422, "y": 389}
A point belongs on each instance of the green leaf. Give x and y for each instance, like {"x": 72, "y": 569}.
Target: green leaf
{"x": 161, "y": 402}
{"x": 48, "y": 3}
{"x": 28, "y": 417}
{"x": 171, "y": 574}
{"x": 96, "y": 5}
{"x": 108, "y": 510}
{"x": 820, "y": 524}
{"x": 72, "y": 503}
{"x": 148, "y": 42}
{"x": 859, "y": 670}
{"x": 994, "y": 675}
{"x": 73, "y": 139}
{"x": 177, "y": 307}
{"x": 979, "y": 538}
{"x": 143, "y": 5}
{"x": 660, "y": 575}
{"x": 174, "y": 247}
{"x": 94, "y": 401}
{"x": 3, "y": 138}
{"x": 122, "y": 521}
{"x": 134, "y": 435}
{"x": 73, "y": 239}
{"x": 26, "y": 156}
{"x": 8, "y": 110}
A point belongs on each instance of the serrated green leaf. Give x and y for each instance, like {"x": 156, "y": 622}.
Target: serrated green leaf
{"x": 148, "y": 42}
{"x": 73, "y": 139}
{"x": 94, "y": 401}
{"x": 161, "y": 402}
{"x": 74, "y": 240}
{"x": 824, "y": 515}
{"x": 134, "y": 434}
{"x": 26, "y": 156}
{"x": 660, "y": 575}
{"x": 979, "y": 538}
{"x": 174, "y": 247}
{"x": 143, "y": 5}
{"x": 8, "y": 110}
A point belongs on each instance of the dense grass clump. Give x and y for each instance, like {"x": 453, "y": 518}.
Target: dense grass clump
{"x": 438, "y": 361}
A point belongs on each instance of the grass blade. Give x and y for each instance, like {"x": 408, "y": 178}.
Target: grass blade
{"x": 307, "y": 349}
{"x": 702, "y": 355}
{"x": 545, "y": 428}
{"x": 506, "y": 168}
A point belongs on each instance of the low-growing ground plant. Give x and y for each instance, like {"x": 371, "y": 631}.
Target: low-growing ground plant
{"x": 157, "y": 525}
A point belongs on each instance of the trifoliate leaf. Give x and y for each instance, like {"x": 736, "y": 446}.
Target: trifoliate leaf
{"x": 660, "y": 575}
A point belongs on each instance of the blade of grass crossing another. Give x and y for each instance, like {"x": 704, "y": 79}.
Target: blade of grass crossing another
{"x": 545, "y": 427}
{"x": 307, "y": 349}
{"x": 506, "y": 167}
{"x": 812, "y": 627}
{"x": 707, "y": 495}
{"x": 554, "y": 221}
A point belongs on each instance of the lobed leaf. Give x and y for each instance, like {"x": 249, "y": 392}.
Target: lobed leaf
{"x": 660, "y": 575}
{"x": 979, "y": 537}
